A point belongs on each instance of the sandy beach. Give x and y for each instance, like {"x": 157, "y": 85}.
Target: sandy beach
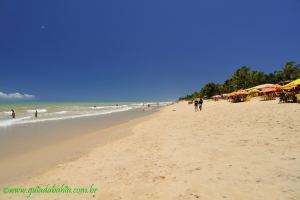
{"x": 243, "y": 151}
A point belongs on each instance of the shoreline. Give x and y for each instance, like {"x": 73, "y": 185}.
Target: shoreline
{"x": 59, "y": 142}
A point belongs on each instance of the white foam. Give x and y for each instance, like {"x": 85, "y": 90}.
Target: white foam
{"x": 29, "y": 119}
{"x": 61, "y": 112}
{"x": 107, "y": 107}
{"x": 7, "y": 112}
{"x": 137, "y": 104}
{"x": 9, "y": 122}
{"x": 39, "y": 110}
{"x": 97, "y": 107}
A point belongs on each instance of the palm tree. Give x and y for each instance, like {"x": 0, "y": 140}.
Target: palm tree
{"x": 290, "y": 71}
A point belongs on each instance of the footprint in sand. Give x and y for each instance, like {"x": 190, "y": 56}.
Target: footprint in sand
{"x": 195, "y": 195}
{"x": 157, "y": 178}
{"x": 196, "y": 169}
{"x": 258, "y": 180}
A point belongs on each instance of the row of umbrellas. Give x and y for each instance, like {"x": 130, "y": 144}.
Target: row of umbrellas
{"x": 265, "y": 88}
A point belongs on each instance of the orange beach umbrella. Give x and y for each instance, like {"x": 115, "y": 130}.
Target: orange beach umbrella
{"x": 268, "y": 89}
{"x": 239, "y": 92}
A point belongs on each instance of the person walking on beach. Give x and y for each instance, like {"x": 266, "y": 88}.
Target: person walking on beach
{"x": 196, "y": 105}
{"x": 13, "y": 114}
{"x": 36, "y": 113}
{"x": 200, "y": 104}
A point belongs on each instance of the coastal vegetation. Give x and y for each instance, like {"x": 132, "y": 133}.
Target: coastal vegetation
{"x": 245, "y": 77}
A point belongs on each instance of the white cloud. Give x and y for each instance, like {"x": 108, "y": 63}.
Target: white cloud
{"x": 17, "y": 95}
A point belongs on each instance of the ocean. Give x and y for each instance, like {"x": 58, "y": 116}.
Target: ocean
{"x": 51, "y": 111}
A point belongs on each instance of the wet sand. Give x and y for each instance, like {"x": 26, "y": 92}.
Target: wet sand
{"x": 30, "y": 149}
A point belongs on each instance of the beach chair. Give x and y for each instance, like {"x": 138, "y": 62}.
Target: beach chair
{"x": 298, "y": 98}
{"x": 248, "y": 98}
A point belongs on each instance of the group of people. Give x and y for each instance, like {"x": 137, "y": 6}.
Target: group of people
{"x": 198, "y": 104}
{"x": 13, "y": 113}
{"x": 288, "y": 97}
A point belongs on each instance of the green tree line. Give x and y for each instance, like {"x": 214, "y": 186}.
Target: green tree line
{"x": 244, "y": 78}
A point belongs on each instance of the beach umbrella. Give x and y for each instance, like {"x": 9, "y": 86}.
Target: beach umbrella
{"x": 268, "y": 89}
{"x": 216, "y": 96}
{"x": 241, "y": 92}
{"x": 291, "y": 84}
{"x": 276, "y": 86}
{"x": 288, "y": 88}
{"x": 238, "y": 92}
{"x": 259, "y": 87}
{"x": 254, "y": 91}
{"x": 231, "y": 94}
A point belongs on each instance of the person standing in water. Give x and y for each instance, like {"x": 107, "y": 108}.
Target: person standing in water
{"x": 36, "y": 113}
{"x": 13, "y": 114}
{"x": 200, "y": 104}
{"x": 196, "y": 105}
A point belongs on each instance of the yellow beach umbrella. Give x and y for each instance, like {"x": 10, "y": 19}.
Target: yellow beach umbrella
{"x": 291, "y": 84}
{"x": 254, "y": 91}
{"x": 231, "y": 94}
{"x": 241, "y": 92}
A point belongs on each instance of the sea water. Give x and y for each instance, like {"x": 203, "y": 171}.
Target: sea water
{"x": 51, "y": 111}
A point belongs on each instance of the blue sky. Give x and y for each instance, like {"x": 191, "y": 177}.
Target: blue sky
{"x": 139, "y": 50}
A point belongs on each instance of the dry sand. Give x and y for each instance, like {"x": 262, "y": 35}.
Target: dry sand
{"x": 228, "y": 151}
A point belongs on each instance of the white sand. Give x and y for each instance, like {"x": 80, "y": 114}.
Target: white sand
{"x": 244, "y": 151}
